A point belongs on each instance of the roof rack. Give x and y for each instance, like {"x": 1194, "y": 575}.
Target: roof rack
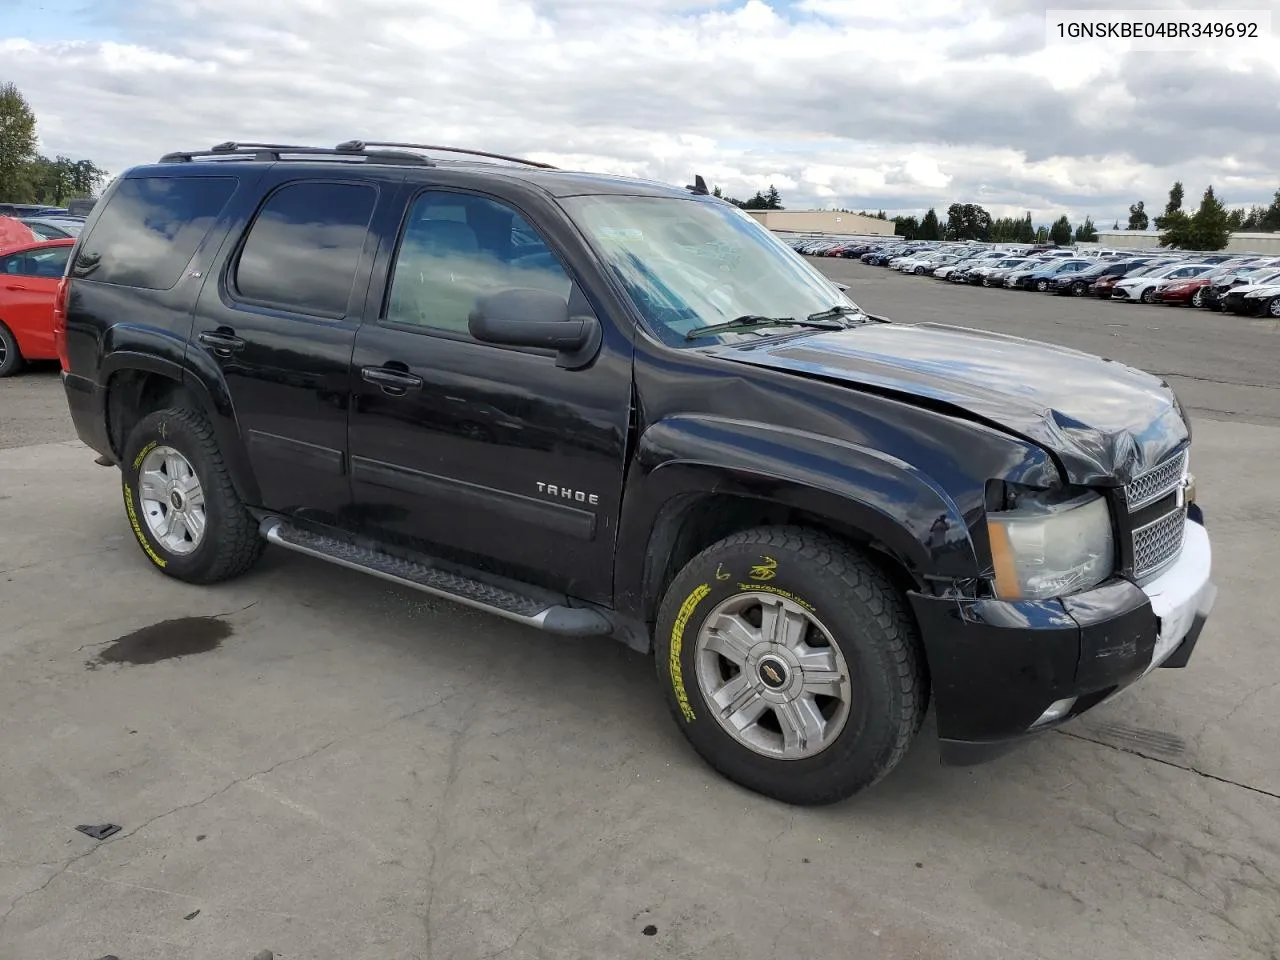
{"x": 279, "y": 151}
{"x": 357, "y": 146}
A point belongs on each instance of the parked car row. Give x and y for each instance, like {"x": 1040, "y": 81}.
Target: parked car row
{"x": 1248, "y": 285}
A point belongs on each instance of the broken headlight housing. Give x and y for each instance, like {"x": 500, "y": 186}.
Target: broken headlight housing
{"x": 1052, "y": 543}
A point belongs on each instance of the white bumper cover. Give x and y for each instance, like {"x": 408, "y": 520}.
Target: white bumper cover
{"x": 1182, "y": 592}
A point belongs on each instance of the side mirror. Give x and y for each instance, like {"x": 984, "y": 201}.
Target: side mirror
{"x": 532, "y": 317}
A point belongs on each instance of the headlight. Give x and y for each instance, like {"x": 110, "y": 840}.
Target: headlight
{"x": 1042, "y": 549}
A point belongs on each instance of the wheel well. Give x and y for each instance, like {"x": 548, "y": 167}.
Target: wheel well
{"x": 690, "y": 524}
{"x": 132, "y": 394}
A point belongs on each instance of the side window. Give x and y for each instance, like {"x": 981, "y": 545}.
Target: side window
{"x": 304, "y": 246}
{"x": 455, "y": 247}
{"x": 48, "y": 264}
{"x": 150, "y": 229}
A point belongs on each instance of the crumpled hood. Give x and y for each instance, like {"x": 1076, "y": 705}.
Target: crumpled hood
{"x": 1105, "y": 422}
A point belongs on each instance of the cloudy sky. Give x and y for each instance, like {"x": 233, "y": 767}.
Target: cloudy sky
{"x": 893, "y": 104}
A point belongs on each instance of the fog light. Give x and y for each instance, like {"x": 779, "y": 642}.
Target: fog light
{"x": 1057, "y": 710}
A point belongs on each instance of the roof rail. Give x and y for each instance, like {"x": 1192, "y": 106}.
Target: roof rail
{"x": 279, "y": 151}
{"x": 359, "y": 146}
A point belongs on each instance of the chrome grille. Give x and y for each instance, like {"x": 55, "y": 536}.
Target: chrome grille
{"x": 1155, "y": 483}
{"x": 1157, "y": 543}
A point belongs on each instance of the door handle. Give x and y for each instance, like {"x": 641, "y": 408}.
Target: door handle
{"x": 394, "y": 383}
{"x": 15, "y": 286}
{"x": 222, "y": 344}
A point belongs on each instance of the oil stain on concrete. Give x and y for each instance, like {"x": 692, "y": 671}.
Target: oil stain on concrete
{"x": 166, "y": 640}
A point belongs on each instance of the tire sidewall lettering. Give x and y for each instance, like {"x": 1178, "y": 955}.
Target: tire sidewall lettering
{"x": 149, "y": 550}
{"x": 674, "y": 663}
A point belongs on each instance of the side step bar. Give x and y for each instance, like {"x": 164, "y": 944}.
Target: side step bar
{"x": 554, "y": 618}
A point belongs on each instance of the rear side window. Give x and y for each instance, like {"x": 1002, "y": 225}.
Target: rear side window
{"x": 150, "y": 229}
{"x": 304, "y": 247}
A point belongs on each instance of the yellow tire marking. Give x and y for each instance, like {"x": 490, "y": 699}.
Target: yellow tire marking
{"x": 137, "y": 527}
{"x": 777, "y": 591}
{"x": 766, "y": 569}
{"x": 137, "y": 461}
{"x": 677, "y": 644}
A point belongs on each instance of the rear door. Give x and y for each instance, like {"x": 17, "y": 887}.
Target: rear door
{"x": 277, "y": 321}
{"x": 28, "y": 283}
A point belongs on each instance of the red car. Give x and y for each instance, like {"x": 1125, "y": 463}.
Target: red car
{"x": 1186, "y": 292}
{"x": 29, "y": 279}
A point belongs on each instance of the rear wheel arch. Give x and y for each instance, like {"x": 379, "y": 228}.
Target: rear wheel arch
{"x": 139, "y": 385}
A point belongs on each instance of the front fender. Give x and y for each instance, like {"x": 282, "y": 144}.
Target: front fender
{"x": 886, "y": 499}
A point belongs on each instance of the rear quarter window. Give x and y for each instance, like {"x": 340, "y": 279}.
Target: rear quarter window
{"x": 150, "y": 229}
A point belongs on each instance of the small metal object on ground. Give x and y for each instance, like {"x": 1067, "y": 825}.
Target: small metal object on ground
{"x": 98, "y": 831}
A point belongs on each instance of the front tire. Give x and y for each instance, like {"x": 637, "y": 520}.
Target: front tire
{"x": 1148, "y": 295}
{"x": 1197, "y": 298}
{"x": 181, "y": 504}
{"x": 10, "y": 355}
{"x": 791, "y": 664}
{"x": 1042, "y": 286}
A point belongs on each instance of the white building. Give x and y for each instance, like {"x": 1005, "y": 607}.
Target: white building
{"x": 823, "y": 221}
{"x": 1150, "y": 239}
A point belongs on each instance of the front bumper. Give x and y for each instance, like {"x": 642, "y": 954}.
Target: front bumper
{"x": 998, "y": 666}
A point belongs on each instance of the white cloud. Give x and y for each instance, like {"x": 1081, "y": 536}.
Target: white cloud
{"x": 835, "y": 102}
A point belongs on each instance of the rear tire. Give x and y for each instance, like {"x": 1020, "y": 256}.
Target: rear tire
{"x": 10, "y": 356}
{"x": 855, "y": 636}
{"x": 180, "y": 501}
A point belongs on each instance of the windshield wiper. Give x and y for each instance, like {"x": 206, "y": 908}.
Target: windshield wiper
{"x": 751, "y": 321}
{"x": 835, "y": 313}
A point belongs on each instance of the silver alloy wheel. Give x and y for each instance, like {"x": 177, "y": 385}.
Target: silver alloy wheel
{"x": 1197, "y": 298}
{"x": 1273, "y": 307}
{"x": 172, "y": 500}
{"x": 774, "y": 677}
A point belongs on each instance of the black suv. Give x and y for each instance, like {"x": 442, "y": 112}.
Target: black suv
{"x": 600, "y": 406}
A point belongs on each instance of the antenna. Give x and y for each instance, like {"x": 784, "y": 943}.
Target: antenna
{"x": 699, "y": 186}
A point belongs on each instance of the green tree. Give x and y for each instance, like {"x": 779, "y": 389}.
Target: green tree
{"x": 908, "y": 227}
{"x": 1138, "y": 219}
{"x": 1269, "y": 219}
{"x": 1210, "y": 226}
{"x": 17, "y": 144}
{"x": 929, "y": 227}
{"x": 968, "y": 221}
{"x": 1087, "y": 232}
{"x": 1175, "y": 230}
{"x": 772, "y": 200}
{"x": 1173, "y": 224}
{"x": 1060, "y": 232}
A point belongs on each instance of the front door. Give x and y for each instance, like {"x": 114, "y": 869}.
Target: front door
{"x": 28, "y": 285}
{"x": 491, "y": 455}
{"x": 277, "y": 317}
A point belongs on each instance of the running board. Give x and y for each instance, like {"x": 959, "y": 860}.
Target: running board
{"x": 554, "y": 618}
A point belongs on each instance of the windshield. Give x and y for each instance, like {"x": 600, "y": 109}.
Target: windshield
{"x": 691, "y": 263}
